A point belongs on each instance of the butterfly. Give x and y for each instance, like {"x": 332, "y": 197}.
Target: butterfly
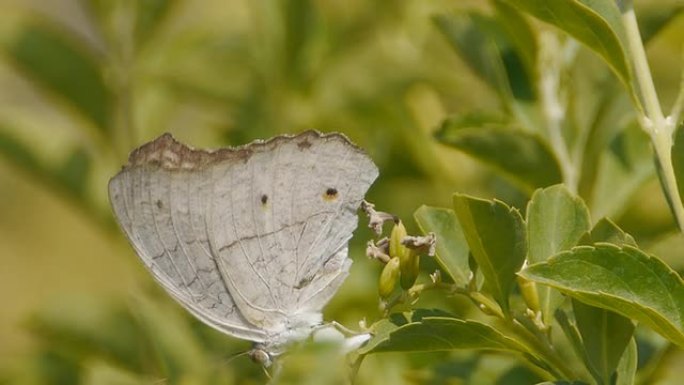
{"x": 252, "y": 240}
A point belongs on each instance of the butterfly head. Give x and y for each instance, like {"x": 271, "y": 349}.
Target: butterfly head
{"x": 261, "y": 356}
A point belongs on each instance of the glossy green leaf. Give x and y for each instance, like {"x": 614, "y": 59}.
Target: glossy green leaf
{"x": 605, "y": 336}
{"x": 596, "y": 23}
{"x": 451, "y": 248}
{"x": 442, "y": 333}
{"x": 607, "y": 231}
{"x": 63, "y": 67}
{"x": 556, "y": 220}
{"x": 624, "y": 280}
{"x": 496, "y": 237}
{"x": 384, "y": 327}
{"x": 627, "y": 367}
{"x": 562, "y": 383}
{"x": 521, "y": 156}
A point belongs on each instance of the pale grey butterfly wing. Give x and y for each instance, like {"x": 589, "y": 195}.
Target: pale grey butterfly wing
{"x": 247, "y": 239}
{"x": 282, "y": 237}
{"x": 163, "y": 211}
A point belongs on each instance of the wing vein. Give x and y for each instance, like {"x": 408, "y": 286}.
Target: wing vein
{"x": 161, "y": 241}
{"x": 244, "y": 252}
{"x": 180, "y": 241}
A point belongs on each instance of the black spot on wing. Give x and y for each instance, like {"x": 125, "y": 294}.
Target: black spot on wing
{"x": 330, "y": 194}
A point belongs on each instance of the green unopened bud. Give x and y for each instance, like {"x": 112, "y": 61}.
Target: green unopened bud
{"x": 388, "y": 278}
{"x": 396, "y": 248}
{"x": 529, "y": 293}
{"x": 409, "y": 269}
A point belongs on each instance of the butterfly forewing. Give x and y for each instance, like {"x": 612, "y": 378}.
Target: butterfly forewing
{"x": 245, "y": 238}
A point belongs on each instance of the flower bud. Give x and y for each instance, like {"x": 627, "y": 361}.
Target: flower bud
{"x": 528, "y": 289}
{"x": 388, "y": 278}
{"x": 409, "y": 269}
{"x": 396, "y": 248}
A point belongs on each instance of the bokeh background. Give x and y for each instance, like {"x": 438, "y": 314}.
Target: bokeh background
{"x": 84, "y": 82}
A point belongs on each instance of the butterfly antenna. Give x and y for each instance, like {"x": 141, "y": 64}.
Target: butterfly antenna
{"x": 233, "y": 357}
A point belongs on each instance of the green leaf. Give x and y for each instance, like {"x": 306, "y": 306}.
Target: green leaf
{"x": 655, "y": 18}
{"x": 451, "y": 247}
{"x": 678, "y": 159}
{"x": 605, "y": 336}
{"x": 88, "y": 325}
{"x": 19, "y": 154}
{"x": 496, "y": 236}
{"x": 382, "y": 328}
{"x": 670, "y": 248}
{"x": 443, "y": 334}
{"x": 521, "y": 34}
{"x": 607, "y": 231}
{"x": 485, "y": 45}
{"x": 596, "y": 23}
{"x": 475, "y": 47}
{"x": 556, "y": 220}
{"x": 61, "y": 66}
{"x": 626, "y": 370}
{"x": 73, "y": 175}
{"x": 517, "y": 374}
{"x": 521, "y": 156}
{"x": 174, "y": 342}
{"x": 562, "y": 383}
{"x": 302, "y": 24}
{"x": 571, "y": 333}
{"x": 624, "y": 280}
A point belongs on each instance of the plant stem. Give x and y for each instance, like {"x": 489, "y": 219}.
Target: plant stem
{"x": 659, "y": 127}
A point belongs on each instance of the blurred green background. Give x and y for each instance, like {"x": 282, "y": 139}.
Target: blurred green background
{"x": 84, "y": 82}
